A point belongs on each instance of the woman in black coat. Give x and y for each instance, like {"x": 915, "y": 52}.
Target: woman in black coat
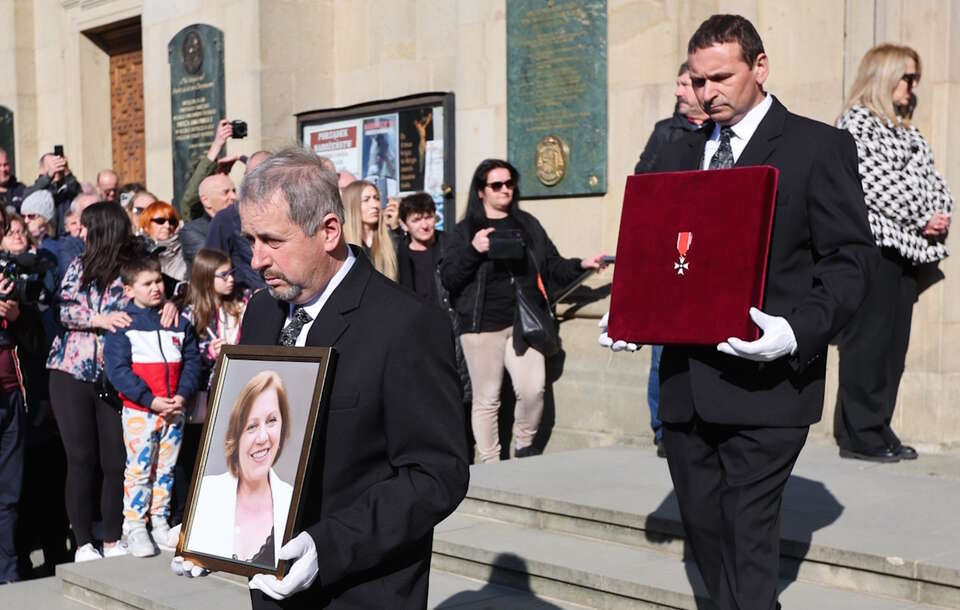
{"x": 482, "y": 283}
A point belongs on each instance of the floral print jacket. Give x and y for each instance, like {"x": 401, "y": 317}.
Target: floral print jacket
{"x": 79, "y": 350}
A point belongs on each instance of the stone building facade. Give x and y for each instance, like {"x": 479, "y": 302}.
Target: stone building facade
{"x": 288, "y": 56}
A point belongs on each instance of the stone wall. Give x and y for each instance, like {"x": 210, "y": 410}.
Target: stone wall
{"x": 289, "y": 56}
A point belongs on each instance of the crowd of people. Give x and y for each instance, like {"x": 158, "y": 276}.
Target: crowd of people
{"x": 137, "y": 296}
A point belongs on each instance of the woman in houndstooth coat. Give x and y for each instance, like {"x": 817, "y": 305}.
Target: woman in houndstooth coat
{"x": 909, "y": 207}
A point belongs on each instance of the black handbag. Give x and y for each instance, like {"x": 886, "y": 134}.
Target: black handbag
{"x": 534, "y": 321}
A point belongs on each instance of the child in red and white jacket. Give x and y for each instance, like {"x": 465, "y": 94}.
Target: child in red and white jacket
{"x": 154, "y": 370}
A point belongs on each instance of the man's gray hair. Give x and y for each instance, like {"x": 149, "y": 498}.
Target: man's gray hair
{"x": 298, "y": 175}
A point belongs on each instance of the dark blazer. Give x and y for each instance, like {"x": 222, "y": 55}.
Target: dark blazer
{"x": 821, "y": 255}
{"x": 393, "y": 462}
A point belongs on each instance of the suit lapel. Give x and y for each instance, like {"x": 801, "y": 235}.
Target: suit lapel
{"x": 696, "y": 143}
{"x": 263, "y": 320}
{"x": 333, "y": 320}
{"x": 763, "y": 142}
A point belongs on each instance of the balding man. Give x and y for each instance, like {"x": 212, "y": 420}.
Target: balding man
{"x": 107, "y": 185}
{"x": 224, "y": 234}
{"x": 394, "y": 464}
{"x": 217, "y": 192}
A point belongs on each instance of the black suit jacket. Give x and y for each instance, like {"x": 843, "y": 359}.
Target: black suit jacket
{"x": 393, "y": 462}
{"x": 821, "y": 255}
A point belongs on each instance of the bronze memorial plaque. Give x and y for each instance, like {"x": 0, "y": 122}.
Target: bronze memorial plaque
{"x": 557, "y": 96}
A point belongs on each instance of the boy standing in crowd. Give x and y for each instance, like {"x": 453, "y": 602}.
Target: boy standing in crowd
{"x": 155, "y": 370}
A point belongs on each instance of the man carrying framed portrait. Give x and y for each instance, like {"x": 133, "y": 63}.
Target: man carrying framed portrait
{"x": 389, "y": 463}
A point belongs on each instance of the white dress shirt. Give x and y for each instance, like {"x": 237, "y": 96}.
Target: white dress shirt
{"x": 313, "y": 307}
{"x": 742, "y": 132}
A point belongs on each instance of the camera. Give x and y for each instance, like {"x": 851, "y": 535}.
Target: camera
{"x": 239, "y": 129}
{"x": 26, "y": 271}
{"x": 506, "y": 245}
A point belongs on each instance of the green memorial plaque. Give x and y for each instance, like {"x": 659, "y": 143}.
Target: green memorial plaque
{"x": 557, "y": 96}
{"x": 197, "y": 97}
{"x": 6, "y": 136}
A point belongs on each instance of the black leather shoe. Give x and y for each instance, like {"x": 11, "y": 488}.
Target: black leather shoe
{"x": 527, "y": 451}
{"x": 884, "y": 454}
{"x": 905, "y": 452}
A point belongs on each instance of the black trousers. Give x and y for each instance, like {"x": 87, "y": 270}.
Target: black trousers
{"x": 729, "y": 483}
{"x": 91, "y": 432}
{"x": 873, "y": 350}
{"x": 12, "y": 443}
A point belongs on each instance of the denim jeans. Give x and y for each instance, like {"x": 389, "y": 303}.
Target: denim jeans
{"x": 653, "y": 391}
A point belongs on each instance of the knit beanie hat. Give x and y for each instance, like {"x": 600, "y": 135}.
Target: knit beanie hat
{"x": 39, "y": 203}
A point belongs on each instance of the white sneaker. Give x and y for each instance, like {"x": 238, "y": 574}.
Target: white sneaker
{"x": 161, "y": 533}
{"x": 87, "y": 552}
{"x": 139, "y": 543}
{"x": 117, "y": 550}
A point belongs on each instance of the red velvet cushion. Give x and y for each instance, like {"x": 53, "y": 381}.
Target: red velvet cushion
{"x": 729, "y": 214}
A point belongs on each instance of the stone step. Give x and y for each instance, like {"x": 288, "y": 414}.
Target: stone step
{"x": 602, "y": 574}
{"x": 454, "y": 592}
{"x": 42, "y": 593}
{"x": 130, "y": 582}
{"x": 845, "y": 525}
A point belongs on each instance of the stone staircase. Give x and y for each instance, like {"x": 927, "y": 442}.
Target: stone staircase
{"x": 601, "y": 528}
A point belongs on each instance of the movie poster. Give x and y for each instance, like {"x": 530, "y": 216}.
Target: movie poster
{"x": 381, "y": 155}
{"x": 339, "y": 141}
{"x": 416, "y": 130}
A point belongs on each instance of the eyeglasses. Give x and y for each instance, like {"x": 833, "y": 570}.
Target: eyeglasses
{"x": 911, "y": 79}
{"x": 223, "y": 275}
{"x": 30, "y": 216}
{"x": 496, "y": 186}
{"x": 17, "y": 232}
{"x": 173, "y": 222}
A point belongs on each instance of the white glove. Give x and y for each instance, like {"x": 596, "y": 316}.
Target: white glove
{"x": 302, "y": 573}
{"x": 179, "y": 565}
{"x": 605, "y": 341}
{"x": 777, "y": 341}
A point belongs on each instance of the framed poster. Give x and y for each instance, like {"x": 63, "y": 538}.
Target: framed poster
{"x": 403, "y": 145}
{"x": 264, "y": 416}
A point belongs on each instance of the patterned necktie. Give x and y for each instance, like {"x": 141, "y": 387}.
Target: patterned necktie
{"x": 288, "y": 336}
{"x": 723, "y": 158}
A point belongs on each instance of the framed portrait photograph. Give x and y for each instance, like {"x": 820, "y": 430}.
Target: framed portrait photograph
{"x": 265, "y": 415}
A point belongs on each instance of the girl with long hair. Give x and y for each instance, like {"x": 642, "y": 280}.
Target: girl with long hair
{"x": 366, "y": 226}
{"x": 215, "y": 306}
{"x": 91, "y": 303}
{"x": 908, "y": 207}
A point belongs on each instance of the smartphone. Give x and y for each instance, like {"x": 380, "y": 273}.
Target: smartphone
{"x": 58, "y": 150}
{"x": 609, "y": 260}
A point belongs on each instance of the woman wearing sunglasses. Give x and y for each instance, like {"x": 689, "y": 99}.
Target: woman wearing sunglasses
{"x": 909, "y": 207}
{"x": 159, "y": 222}
{"x": 481, "y": 282}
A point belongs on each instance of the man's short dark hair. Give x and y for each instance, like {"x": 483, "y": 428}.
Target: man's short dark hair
{"x": 130, "y": 269}
{"x": 684, "y": 68}
{"x": 719, "y": 29}
{"x": 417, "y": 203}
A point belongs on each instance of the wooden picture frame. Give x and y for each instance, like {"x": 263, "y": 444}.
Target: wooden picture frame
{"x": 242, "y": 374}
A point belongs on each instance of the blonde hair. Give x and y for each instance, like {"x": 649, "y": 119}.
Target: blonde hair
{"x": 880, "y": 71}
{"x": 383, "y": 256}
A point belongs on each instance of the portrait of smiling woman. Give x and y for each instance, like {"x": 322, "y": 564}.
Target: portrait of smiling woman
{"x": 241, "y": 514}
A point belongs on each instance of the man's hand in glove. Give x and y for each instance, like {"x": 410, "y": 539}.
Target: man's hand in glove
{"x": 605, "y": 340}
{"x": 777, "y": 341}
{"x": 303, "y": 571}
